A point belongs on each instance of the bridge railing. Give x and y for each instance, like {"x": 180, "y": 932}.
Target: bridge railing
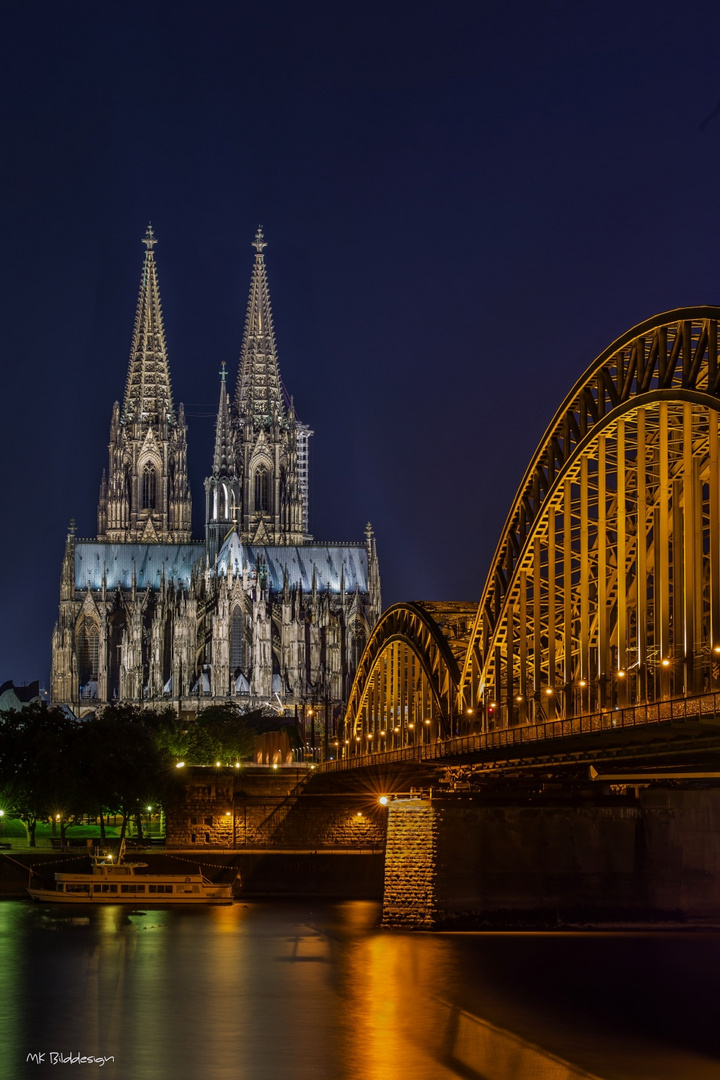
{"x": 675, "y": 709}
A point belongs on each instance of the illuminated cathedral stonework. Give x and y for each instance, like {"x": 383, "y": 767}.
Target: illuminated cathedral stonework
{"x": 256, "y": 613}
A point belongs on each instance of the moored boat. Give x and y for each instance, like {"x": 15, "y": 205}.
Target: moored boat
{"x": 114, "y": 881}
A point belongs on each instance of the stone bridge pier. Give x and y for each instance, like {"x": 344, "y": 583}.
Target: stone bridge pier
{"x": 463, "y": 862}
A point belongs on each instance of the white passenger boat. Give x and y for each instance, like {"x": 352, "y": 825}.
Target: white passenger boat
{"x": 114, "y": 881}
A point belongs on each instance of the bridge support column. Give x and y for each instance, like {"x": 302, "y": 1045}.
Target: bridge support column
{"x": 409, "y": 899}
{"x": 462, "y": 862}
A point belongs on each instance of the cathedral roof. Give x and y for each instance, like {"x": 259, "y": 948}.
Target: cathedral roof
{"x": 332, "y": 564}
{"x": 327, "y": 561}
{"x": 260, "y": 392}
{"x": 148, "y": 560}
{"x": 148, "y": 395}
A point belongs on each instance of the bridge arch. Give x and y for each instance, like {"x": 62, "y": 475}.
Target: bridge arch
{"x": 405, "y": 689}
{"x": 603, "y": 589}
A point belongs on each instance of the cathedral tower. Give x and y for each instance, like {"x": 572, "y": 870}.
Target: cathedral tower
{"x": 145, "y": 494}
{"x": 271, "y": 445}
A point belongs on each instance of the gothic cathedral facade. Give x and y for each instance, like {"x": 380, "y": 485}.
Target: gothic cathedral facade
{"x": 257, "y": 613}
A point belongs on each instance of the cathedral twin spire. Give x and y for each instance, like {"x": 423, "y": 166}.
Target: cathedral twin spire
{"x": 145, "y": 496}
{"x": 260, "y": 394}
{"x": 259, "y": 478}
{"x": 148, "y": 395}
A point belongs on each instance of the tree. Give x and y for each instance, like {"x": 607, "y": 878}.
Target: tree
{"x": 232, "y": 729}
{"x": 38, "y": 764}
{"x": 129, "y": 766}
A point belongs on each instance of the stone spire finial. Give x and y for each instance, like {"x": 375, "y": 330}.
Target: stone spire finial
{"x": 149, "y": 239}
{"x": 259, "y": 242}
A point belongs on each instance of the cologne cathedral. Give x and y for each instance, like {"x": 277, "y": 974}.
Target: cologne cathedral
{"x": 258, "y": 612}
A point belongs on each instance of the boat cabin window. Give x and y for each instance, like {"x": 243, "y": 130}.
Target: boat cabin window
{"x": 70, "y": 887}
{"x": 160, "y": 888}
{"x": 132, "y": 888}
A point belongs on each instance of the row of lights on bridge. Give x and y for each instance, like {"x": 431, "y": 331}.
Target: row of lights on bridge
{"x": 582, "y": 683}
{"x": 383, "y": 734}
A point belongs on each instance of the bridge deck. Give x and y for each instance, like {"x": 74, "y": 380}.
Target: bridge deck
{"x": 562, "y": 734}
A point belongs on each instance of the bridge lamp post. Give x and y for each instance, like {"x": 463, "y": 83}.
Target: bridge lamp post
{"x": 550, "y": 697}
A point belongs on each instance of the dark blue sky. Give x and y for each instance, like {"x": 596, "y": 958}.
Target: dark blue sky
{"x": 464, "y": 204}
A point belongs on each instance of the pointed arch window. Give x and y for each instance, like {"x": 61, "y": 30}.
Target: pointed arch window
{"x": 88, "y": 651}
{"x": 149, "y": 488}
{"x": 236, "y": 641}
{"x": 262, "y": 492}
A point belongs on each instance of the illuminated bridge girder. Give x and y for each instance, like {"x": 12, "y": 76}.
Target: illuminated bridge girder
{"x": 405, "y": 690}
{"x": 604, "y": 589}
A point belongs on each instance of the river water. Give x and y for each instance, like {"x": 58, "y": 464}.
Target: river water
{"x": 316, "y": 991}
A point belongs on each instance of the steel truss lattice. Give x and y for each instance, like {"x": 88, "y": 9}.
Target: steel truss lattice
{"x": 604, "y": 589}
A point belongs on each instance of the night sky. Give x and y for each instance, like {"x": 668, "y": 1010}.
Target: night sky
{"x": 463, "y": 203}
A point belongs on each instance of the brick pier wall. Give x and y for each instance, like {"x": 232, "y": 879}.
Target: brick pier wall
{"x": 459, "y": 862}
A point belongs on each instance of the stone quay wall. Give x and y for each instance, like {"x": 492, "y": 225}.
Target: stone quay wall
{"x": 270, "y": 809}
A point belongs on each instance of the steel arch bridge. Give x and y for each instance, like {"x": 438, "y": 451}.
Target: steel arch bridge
{"x": 604, "y": 589}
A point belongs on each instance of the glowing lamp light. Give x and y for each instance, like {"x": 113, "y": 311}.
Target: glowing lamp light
{"x": 582, "y": 683}
{"x": 666, "y": 663}
{"x": 493, "y": 704}
{"x": 275, "y": 766}
{"x": 310, "y": 712}
{"x": 396, "y": 729}
{"x": 237, "y": 764}
{"x": 180, "y": 765}
{"x": 149, "y": 809}
{"x": 217, "y": 763}
{"x": 549, "y": 691}
{"x": 2, "y": 813}
{"x": 383, "y": 800}
{"x": 519, "y": 698}
{"x": 227, "y": 813}
{"x": 716, "y": 649}
{"x": 427, "y": 721}
{"x": 411, "y": 726}
{"x": 469, "y": 712}
{"x": 57, "y": 817}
